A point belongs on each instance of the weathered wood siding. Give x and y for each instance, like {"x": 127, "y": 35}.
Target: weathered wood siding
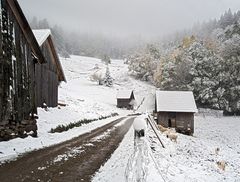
{"x": 47, "y": 79}
{"x": 183, "y": 122}
{"x": 17, "y": 80}
{"x": 123, "y": 103}
{"x": 162, "y": 118}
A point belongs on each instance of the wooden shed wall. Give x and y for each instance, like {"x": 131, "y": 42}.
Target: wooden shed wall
{"x": 162, "y": 118}
{"x": 47, "y": 79}
{"x": 183, "y": 121}
{"x": 123, "y": 103}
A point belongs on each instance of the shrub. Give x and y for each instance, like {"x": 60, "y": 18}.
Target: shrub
{"x": 62, "y": 128}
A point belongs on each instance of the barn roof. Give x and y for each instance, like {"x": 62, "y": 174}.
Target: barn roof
{"x": 175, "y": 101}
{"x": 25, "y": 27}
{"x": 43, "y": 35}
{"x": 124, "y": 94}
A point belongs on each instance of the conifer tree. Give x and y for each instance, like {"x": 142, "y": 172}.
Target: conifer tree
{"x": 106, "y": 59}
{"x": 108, "y": 80}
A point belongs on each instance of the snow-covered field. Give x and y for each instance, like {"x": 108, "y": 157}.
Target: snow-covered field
{"x": 84, "y": 99}
{"x": 190, "y": 159}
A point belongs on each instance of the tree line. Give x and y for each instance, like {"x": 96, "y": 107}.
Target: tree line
{"x": 205, "y": 60}
{"x": 86, "y": 44}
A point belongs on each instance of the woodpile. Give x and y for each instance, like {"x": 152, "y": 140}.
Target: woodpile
{"x": 21, "y": 129}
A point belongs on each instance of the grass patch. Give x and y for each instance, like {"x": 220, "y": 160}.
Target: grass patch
{"x": 62, "y": 128}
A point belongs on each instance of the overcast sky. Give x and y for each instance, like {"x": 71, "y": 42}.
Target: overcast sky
{"x": 127, "y": 17}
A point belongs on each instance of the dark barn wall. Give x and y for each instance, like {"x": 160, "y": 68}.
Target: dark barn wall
{"x": 183, "y": 120}
{"x": 162, "y": 118}
{"x": 47, "y": 79}
{"x": 124, "y": 103}
{"x": 17, "y": 80}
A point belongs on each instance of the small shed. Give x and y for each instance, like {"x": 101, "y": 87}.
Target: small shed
{"x": 125, "y": 99}
{"x": 48, "y": 75}
{"x": 175, "y": 109}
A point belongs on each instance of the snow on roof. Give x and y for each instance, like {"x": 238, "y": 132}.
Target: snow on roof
{"x": 41, "y": 35}
{"x": 124, "y": 94}
{"x": 175, "y": 101}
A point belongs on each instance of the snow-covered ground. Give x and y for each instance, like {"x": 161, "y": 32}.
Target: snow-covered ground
{"x": 84, "y": 99}
{"x": 190, "y": 159}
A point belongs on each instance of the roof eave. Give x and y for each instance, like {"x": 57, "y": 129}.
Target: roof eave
{"x": 25, "y": 27}
{"x": 57, "y": 60}
{"x": 45, "y": 37}
{"x": 192, "y": 111}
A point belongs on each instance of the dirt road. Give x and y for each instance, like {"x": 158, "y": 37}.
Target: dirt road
{"x": 74, "y": 160}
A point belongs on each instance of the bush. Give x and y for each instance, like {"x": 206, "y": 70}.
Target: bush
{"x": 62, "y": 128}
{"x": 97, "y": 77}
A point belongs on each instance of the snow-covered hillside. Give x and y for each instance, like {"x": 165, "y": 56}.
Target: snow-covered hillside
{"x": 191, "y": 159}
{"x": 84, "y": 99}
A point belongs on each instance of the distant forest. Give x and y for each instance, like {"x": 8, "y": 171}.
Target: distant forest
{"x": 205, "y": 60}
{"x": 87, "y": 44}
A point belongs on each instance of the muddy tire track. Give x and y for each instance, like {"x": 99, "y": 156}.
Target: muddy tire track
{"x": 74, "y": 160}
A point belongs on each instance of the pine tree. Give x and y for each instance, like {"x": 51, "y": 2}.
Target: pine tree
{"x": 226, "y": 19}
{"x": 106, "y": 59}
{"x": 34, "y": 23}
{"x": 108, "y": 80}
{"x": 43, "y": 24}
{"x": 230, "y": 52}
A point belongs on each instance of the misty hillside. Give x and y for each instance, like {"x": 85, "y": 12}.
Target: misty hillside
{"x": 87, "y": 44}
{"x": 204, "y": 60}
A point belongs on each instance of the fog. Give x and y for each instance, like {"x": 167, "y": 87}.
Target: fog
{"x": 145, "y": 18}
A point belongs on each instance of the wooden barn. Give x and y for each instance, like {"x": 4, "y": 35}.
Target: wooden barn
{"x": 19, "y": 53}
{"x": 175, "y": 109}
{"x": 49, "y": 75}
{"x": 125, "y": 99}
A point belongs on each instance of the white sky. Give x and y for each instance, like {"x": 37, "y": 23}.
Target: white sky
{"x": 128, "y": 17}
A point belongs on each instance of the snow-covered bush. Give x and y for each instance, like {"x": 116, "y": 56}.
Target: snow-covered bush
{"x": 97, "y": 77}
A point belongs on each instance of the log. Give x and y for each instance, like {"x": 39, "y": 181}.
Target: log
{"x": 62, "y": 104}
{"x": 155, "y": 130}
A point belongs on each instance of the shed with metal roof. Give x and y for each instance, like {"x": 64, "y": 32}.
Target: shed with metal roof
{"x": 125, "y": 99}
{"x": 175, "y": 109}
